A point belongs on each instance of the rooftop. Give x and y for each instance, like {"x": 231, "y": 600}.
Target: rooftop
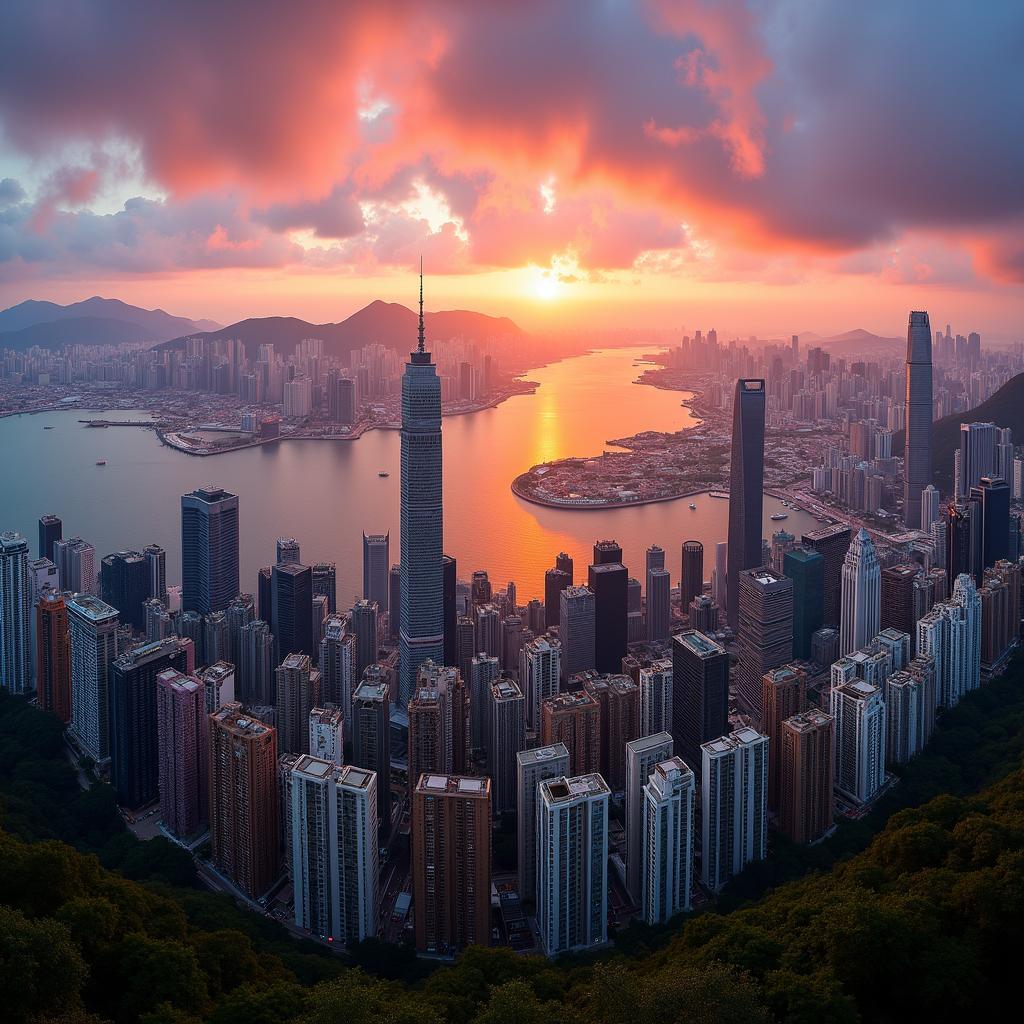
{"x": 564, "y": 790}
{"x": 538, "y": 754}
{"x": 699, "y": 643}
{"x": 91, "y": 607}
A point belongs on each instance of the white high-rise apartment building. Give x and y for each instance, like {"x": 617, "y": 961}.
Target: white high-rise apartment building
{"x": 859, "y": 713}
{"x": 904, "y": 717}
{"x": 572, "y": 863}
{"x": 539, "y": 672}
{"x": 15, "y": 614}
{"x": 333, "y": 849}
{"x": 929, "y": 507}
{"x": 641, "y": 756}
{"x": 338, "y": 665}
{"x": 951, "y": 634}
{"x": 326, "y": 734}
{"x": 656, "y": 697}
{"x": 861, "y": 594}
{"x": 532, "y": 768}
{"x": 93, "y": 627}
{"x": 76, "y": 565}
{"x": 734, "y": 805}
{"x": 668, "y": 841}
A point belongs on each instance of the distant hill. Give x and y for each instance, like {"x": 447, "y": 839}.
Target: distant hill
{"x": 1005, "y": 409}
{"x": 387, "y": 323}
{"x": 859, "y": 342}
{"x": 90, "y": 322}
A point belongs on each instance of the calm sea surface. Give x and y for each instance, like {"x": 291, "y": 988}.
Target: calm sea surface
{"x": 326, "y": 493}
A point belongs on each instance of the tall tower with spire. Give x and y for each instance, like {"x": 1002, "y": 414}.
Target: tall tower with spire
{"x": 421, "y": 621}
{"x": 917, "y": 455}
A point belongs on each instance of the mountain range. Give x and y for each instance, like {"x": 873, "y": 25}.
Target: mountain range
{"x": 94, "y": 321}
{"x": 387, "y": 323}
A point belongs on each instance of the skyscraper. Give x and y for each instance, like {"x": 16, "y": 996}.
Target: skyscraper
{"x": 992, "y": 498}
{"x": 421, "y": 627}
{"x": 51, "y": 529}
{"x": 53, "y": 655}
{"x": 371, "y": 747}
{"x": 376, "y": 563}
{"x": 917, "y": 457}
{"x": 288, "y": 551}
{"x": 532, "y": 768}
{"x": 183, "y": 752}
{"x": 451, "y": 610}
{"x": 327, "y": 734}
{"x": 765, "y": 636}
{"x": 333, "y": 849}
{"x": 832, "y": 543}
{"x": 806, "y": 775}
{"x": 746, "y": 486}
{"x": 506, "y": 737}
{"x": 15, "y": 614}
{"x": 76, "y": 565}
{"x": 667, "y": 841}
{"x": 608, "y": 582}
{"x": 700, "y": 692}
{"x": 134, "y": 754}
{"x": 430, "y": 721}
{"x": 338, "y": 675}
{"x": 577, "y": 630}
{"x": 929, "y": 507}
{"x": 573, "y": 718}
{"x": 93, "y": 626}
{"x": 659, "y": 604}
{"x": 656, "y": 703}
{"x": 693, "y": 572}
{"x": 572, "y": 878}
{"x": 298, "y": 692}
{"x": 483, "y": 670}
{"x": 325, "y": 583}
{"x": 209, "y": 550}
{"x": 977, "y": 455}
{"x": 363, "y": 620}
{"x": 806, "y": 568}
{"x": 641, "y": 756}
{"x": 859, "y": 713}
{"x": 125, "y": 585}
{"x": 539, "y": 673}
{"x": 451, "y": 862}
{"x": 256, "y": 668}
{"x": 862, "y": 595}
{"x": 785, "y": 695}
{"x": 734, "y": 814}
{"x": 245, "y": 811}
{"x": 156, "y": 565}
{"x": 291, "y": 615}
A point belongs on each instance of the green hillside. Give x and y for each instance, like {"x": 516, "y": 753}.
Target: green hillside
{"x": 923, "y": 925}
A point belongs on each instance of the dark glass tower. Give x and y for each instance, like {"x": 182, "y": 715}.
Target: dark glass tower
{"x": 746, "y": 487}
{"x": 376, "y": 565}
{"x": 806, "y": 568}
{"x": 124, "y": 585}
{"x": 993, "y": 497}
{"x": 917, "y": 456}
{"x": 451, "y": 614}
{"x": 421, "y": 618}
{"x": 51, "y": 529}
{"x": 693, "y": 572}
{"x": 700, "y": 694}
{"x": 609, "y": 582}
{"x": 209, "y": 550}
{"x": 291, "y": 613}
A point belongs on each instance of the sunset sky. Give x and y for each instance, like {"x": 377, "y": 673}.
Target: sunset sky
{"x": 766, "y": 167}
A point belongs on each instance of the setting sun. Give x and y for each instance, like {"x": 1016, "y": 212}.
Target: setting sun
{"x": 546, "y": 286}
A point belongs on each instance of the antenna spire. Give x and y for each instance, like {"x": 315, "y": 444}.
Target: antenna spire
{"x": 422, "y": 339}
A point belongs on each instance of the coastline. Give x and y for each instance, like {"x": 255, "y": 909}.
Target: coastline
{"x": 644, "y": 457}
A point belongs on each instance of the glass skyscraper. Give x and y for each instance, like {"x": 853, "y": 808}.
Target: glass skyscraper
{"x": 421, "y": 618}
{"x": 917, "y": 458}
{"x": 209, "y": 550}
{"x": 746, "y": 487}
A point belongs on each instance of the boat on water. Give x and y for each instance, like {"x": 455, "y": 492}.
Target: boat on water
{"x": 48, "y": 428}
{"x": 778, "y": 516}
{"x": 101, "y": 462}
{"x": 382, "y": 473}
{"x": 692, "y": 506}
{"x": 719, "y": 494}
